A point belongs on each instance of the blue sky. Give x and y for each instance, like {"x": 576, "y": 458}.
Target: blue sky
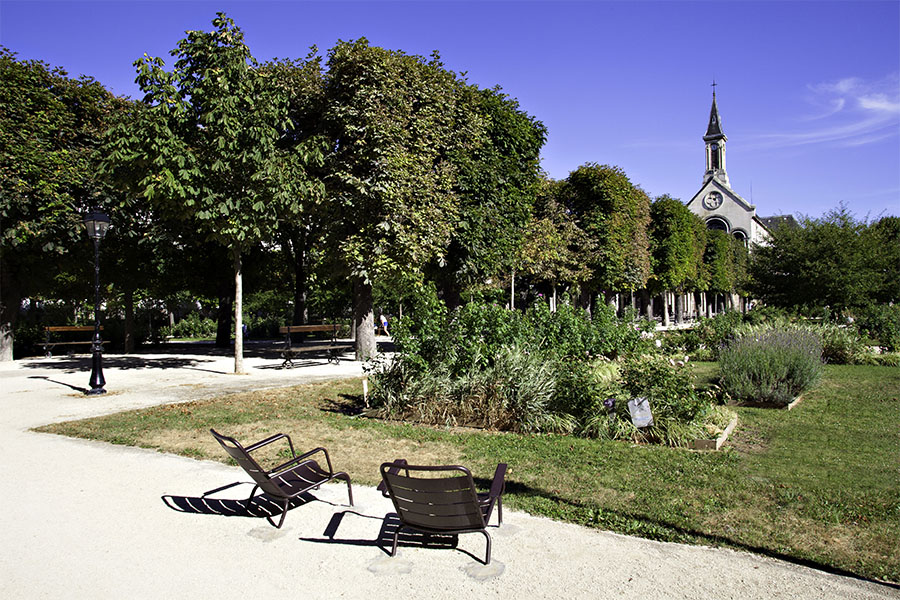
{"x": 809, "y": 92}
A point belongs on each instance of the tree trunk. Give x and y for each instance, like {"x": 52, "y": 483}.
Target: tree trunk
{"x": 512, "y": 291}
{"x": 553, "y": 299}
{"x": 611, "y": 300}
{"x": 301, "y": 312}
{"x": 364, "y": 320}
{"x": 584, "y": 301}
{"x": 238, "y": 314}
{"x": 646, "y": 304}
{"x": 129, "y": 321}
{"x": 223, "y": 316}
{"x": 450, "y": 292}
{"x": 679, "y": 308}
{"x": 10, "y": 301}
{"x": 664, "y": 298}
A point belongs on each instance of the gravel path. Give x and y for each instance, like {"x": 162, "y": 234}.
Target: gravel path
{"x": 84, "y": 519}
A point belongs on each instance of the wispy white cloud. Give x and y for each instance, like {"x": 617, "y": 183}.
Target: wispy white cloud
{"x": 848, "y": 112}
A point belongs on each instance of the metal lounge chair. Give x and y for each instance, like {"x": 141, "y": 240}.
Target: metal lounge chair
{"x": 441, "y": 499}
{"x": 286, "y": 481}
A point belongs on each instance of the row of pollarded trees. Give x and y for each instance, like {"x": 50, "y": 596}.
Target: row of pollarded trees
{"x": 375, "y": 166}
{"x": 598, "y": 231}
{"x": 367, "y": 166}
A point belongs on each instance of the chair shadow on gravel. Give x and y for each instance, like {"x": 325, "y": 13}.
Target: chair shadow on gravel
{"x": 385, "y": 538}
{"x": 261, "y": 507}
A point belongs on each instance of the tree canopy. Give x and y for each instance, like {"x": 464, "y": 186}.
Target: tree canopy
{"x": 835, "y": 261}
{"x": 615, "y": 214}
{"x": 50, "y": 127}
{"x": 210, "y": 146}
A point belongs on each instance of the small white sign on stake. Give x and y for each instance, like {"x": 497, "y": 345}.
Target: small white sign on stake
{"x": 640, "y": 412}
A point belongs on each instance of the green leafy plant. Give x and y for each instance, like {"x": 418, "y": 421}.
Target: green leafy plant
{"x": 771, "y": 365}
{"x": 192, "y": 326}
{"x": 882, "y": 324}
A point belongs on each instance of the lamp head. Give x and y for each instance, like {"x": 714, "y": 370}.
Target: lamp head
{"x": 96, "y": 223}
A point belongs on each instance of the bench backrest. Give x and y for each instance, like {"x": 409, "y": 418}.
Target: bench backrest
{"x": 70, "y": 328}
{"x": 301, "y": 328}
{"x": 439, "y": 498}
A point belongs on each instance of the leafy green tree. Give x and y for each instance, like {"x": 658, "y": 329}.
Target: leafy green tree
{"x": 726, "y": 263}
{"x": 497, "y": 175}
{"x": 554, "y": 249}
{"x": 835, "y": 261}
{"x": 394, "y": 121}
{"x": 615, "y": 214}
{"x": 676, "y": 250}
{"x": 210, "y": 147}
{"x": 303, "y": 81}
{"x": 883, "y": 238}
{"x": 50, "y": 126}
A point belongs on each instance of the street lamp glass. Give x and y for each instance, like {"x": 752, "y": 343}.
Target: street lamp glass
{"x": 96, "y": 222}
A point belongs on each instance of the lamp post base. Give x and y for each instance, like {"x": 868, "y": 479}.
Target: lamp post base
{"x": 97, "y": 380}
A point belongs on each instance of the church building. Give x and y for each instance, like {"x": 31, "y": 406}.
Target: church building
{"x": 716, "y": 203}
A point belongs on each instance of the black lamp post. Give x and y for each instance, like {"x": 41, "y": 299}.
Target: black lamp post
{"x": 96, "y": 222}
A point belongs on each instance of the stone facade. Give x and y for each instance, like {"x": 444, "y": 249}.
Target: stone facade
{"x": 716, "y": 203}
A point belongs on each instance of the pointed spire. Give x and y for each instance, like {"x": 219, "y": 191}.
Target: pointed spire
{"x": 714, "y": 131}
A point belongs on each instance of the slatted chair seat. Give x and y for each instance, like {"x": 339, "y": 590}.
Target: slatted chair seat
{"x": 288, "y": 480}
{"x": 441, "y": 499}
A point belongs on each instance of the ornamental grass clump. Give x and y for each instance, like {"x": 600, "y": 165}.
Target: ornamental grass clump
{"x": 771, "y": 365}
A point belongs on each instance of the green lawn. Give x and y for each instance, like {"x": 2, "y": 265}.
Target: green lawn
{"x": 819, "y": 484}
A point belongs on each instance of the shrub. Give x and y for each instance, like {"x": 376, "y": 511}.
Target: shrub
{"x": 581, "y": 387}
{"x": 192, "y": 326}
{"x": 514, "y": 393}
{"x": 771, "y": 365}
{"x": 766, "y": 314}
{"x": 882, "y": 324}
{"x": 715, "y": 332}
{"x": 842, "y": 344}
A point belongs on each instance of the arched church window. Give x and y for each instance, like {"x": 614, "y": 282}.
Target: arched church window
{"x": 714, "y": 158}
{"x": 717, "y": 224}
{"x": 741, "y": 235}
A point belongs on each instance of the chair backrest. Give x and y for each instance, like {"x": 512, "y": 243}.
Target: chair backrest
{"x": 440, "y": 498}
{"x": 246, "y": 462}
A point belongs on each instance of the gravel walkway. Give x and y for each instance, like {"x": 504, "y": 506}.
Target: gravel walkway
{"x": 84, "y": 519}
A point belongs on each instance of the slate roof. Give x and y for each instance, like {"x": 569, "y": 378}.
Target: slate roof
{"x": 714, "y": 131}
{"x": 779, "y": 221}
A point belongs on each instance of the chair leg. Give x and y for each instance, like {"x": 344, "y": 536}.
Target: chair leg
{"x": 487, "y": 536}
{"x": 349, "y": 490}
{"x": 499, "y": 511}
{"x": 396, "y": 538}
{"x": 250, "y": 499}
{"x": 287, "y": 502}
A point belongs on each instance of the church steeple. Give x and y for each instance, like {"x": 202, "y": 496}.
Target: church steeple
{"x": 715, "y": 145}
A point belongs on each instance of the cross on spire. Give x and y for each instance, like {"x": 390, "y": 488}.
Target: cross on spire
{"x": 714, "y": 84}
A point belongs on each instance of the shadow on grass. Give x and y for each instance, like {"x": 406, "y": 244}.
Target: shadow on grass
{"x": 668, "y": 532}
{"x": 349, "y": 405}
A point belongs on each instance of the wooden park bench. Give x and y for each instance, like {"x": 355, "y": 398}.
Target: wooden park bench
{"x": 51, "y": 337}
{"x": 288, "y": 353}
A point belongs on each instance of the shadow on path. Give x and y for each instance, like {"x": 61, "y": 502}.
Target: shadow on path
{"x": 62, "y": 383}
{"x": 261, "y": 507}
{"x": 385, "y": 538}
{"x": 131, "y": 362}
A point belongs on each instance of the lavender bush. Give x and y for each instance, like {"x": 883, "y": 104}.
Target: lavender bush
{"x": 771, "y": 365}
